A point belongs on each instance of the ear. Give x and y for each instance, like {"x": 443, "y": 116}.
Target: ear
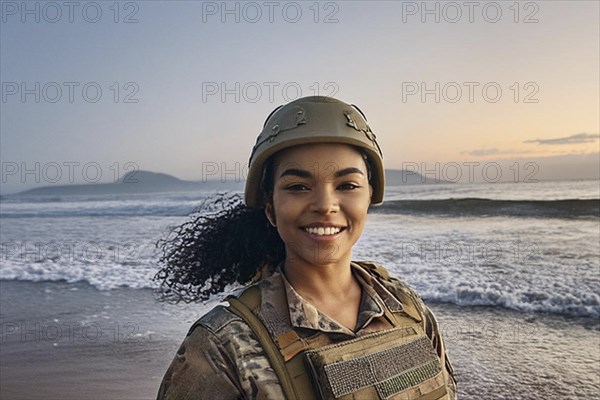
{"x": 370, "y": 193}
{"x": 270, "y": 213}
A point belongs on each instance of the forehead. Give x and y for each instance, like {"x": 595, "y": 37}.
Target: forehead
{"x": 307, "y": 154}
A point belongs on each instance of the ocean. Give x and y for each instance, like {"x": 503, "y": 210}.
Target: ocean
{"x": 512, "y": 271}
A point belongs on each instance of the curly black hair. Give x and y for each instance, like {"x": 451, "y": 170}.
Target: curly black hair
{"x": 214, "y": 249}
{"x": 223, "y": 242}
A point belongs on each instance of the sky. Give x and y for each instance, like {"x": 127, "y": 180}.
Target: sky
{"x": 92, "y": 90}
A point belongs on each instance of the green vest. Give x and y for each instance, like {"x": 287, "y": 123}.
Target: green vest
{"x": 398, "y": 363}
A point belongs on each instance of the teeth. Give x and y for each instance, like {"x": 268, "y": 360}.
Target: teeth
{"x": 322, "y": 231}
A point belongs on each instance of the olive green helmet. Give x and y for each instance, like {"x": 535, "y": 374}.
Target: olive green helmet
{"x": 314, "y": 119}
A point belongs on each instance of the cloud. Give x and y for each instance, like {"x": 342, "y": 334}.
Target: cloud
{"x": 494, "y": 151}
{"x": 573, "y": 139}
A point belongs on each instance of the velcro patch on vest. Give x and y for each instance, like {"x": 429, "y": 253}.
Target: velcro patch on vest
{"x": 408, "y": 379}
{"x": 389, "y": 371}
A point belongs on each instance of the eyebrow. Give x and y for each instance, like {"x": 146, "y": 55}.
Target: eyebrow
{"x": 302, "y": 173}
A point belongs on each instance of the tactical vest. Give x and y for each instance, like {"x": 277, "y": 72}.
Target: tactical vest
{"x": 398, "y": 363}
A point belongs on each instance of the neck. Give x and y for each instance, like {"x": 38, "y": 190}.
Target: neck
{"x": 318, "y": 281}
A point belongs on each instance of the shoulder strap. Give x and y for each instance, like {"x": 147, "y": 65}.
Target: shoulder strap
{"x": 410, "y": 301}
{"x": 292, "y": 374}
{"x": 404, "y": 293}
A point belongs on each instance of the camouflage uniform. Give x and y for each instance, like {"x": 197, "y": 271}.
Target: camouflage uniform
{"x": 221, "y": 358}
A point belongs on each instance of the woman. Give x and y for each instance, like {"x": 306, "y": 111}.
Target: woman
{"x": 315, "y": 324}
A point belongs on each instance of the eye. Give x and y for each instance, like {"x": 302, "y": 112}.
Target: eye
{"x": 298, "y": 187}
{"x": 348, "y": 186}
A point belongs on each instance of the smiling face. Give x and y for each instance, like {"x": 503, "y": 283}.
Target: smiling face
{"x": 320, "y": 199}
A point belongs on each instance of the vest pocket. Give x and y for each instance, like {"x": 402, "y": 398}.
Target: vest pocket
{"x": 399, "y": 363}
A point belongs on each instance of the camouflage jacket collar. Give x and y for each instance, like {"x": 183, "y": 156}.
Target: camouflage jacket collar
{"x": 302, "y": 314}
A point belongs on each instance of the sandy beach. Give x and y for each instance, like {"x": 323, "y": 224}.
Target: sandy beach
{"x": 72, "y": 341}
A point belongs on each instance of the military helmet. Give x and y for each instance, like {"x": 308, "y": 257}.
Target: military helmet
{"x": 313, "y": 119}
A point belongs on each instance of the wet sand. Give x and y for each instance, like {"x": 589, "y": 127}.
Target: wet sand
{"x": 72, "y": 341}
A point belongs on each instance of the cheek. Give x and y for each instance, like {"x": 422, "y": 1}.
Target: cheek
{"x": 284, "y": 211}
{"x": 359, "y": 212}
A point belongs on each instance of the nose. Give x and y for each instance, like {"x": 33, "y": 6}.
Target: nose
{"x": 325, "y": 200}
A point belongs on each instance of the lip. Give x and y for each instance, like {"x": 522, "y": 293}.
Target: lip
{"x": 324, "y": 238}
{"x": 323, "y": 225}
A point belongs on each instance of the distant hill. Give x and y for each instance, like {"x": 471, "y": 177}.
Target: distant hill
{"x": 136, "y": 182}
{"x": 156, "y": 182}
{"x": 145, "y": 177}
